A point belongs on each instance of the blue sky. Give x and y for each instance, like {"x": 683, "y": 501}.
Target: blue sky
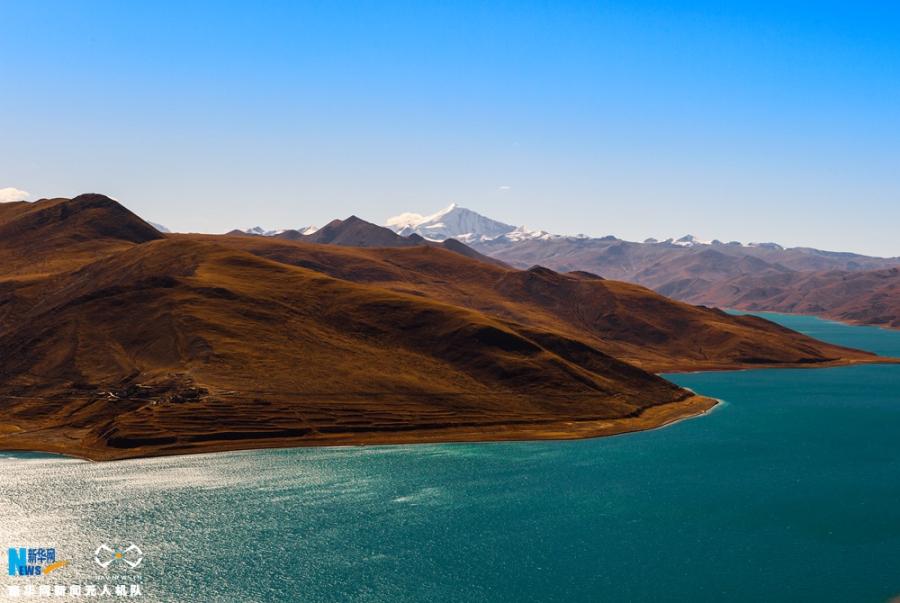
{"x": 753, "y": 121}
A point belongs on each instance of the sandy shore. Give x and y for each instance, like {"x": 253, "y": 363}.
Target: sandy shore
{"x": 71, "y": 442}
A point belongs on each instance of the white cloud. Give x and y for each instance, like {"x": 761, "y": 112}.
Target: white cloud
{"x": 504, "y": 187}
{"x": 12, "y": 194}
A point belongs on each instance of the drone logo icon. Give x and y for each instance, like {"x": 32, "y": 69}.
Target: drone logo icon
{"x": 105, "y": 556}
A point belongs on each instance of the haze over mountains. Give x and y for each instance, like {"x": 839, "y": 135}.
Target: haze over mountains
{"x": 119, "y": 340}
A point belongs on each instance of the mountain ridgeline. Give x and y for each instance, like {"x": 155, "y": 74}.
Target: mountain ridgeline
{"x": 355, "y": 232}
{"x": 757, "y": 276}
{"x": 121, "y": 341}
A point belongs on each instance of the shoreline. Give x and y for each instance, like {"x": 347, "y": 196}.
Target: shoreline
{"x": 653, "y": 417}
{"x": 734, "y": 367}
{"x": 824, "y": 317}
{"x": 71, "y": 443}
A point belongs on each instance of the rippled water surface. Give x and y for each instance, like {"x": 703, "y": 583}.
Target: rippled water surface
{"x": 789, "y": 491}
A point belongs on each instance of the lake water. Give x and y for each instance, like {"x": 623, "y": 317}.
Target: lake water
{"x": 789, "y": 491}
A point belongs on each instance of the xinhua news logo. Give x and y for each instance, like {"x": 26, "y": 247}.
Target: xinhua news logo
{"x": 33, "y": 561}
{"x": 122, "y": 577}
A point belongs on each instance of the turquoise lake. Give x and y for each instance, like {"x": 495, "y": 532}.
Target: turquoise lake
{"x": 788, "y": 491}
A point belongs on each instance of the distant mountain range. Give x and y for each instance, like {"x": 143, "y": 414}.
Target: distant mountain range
{"x": 118, "y": 340}
{"x": 858, "y": 296}
{"x": 356, "y": 232}
{"x": 259, "y": 230}
{"x": 754, "y": 276}
{"x": 453, "y": 222}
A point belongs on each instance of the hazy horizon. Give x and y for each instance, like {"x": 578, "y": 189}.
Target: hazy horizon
{"x": 765, "y": 122}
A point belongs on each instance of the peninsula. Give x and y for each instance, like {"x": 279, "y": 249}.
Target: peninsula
{"x": 119, "y": 341}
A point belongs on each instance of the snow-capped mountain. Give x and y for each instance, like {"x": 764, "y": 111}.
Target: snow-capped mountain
{"x": 771, "y": 246}
{"x": 459, "y": 223}
{"x": 522, "y": 233}
{"x": 472, "y": 228}
{"x": 690, "y": 241}
{"x": 259, "y": 230}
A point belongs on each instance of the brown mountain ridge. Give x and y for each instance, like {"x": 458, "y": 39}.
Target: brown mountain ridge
{"x": 766, "y": 277}
{"x": 119, "y": 341}
{"x": 356, "y": 232}
{"x": 868, "y": 297}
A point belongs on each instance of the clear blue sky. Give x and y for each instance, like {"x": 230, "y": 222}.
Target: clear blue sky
{"x": 752, "y": 121}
